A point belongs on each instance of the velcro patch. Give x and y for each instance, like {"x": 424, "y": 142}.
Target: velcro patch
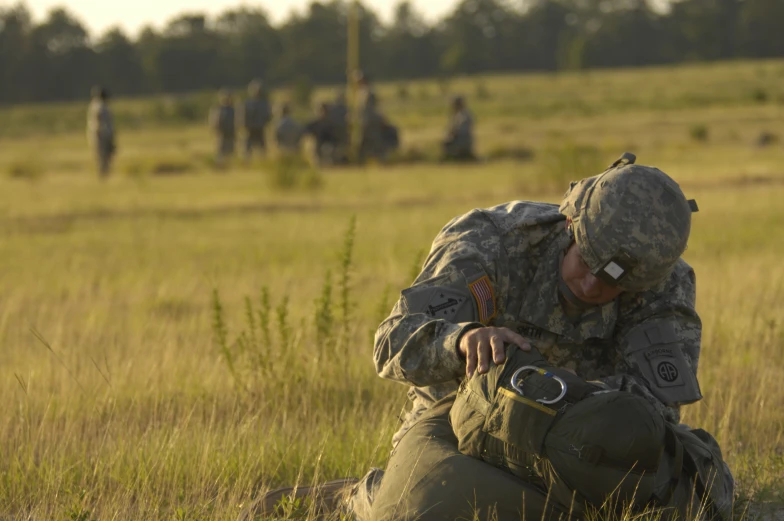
{"x": 439, "y": 302}
{"x": 485, "y": 298}
{"x": 668, "y": 369}
{"x": 444, "y": 303}
{"x": 614, "y": 270}
{"x": 655, "y": 349}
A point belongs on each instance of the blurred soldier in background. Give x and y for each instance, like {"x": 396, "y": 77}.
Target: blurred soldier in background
{"x": 324, "y": 132}
{"x": 100, "y": 129}
{"x": 255, "y": 118}
{"x": 338, "y": 114}
{"x": 378, "y": 136}
{"x": 288, "y": 132}
{"x": 459, "y": 142}
{"x": 222, "y": 123}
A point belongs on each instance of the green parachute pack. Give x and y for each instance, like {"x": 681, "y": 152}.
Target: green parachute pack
{"x": 586, "y": 446}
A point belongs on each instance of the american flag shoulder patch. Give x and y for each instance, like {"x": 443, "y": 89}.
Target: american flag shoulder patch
{"x": 485, "y": 298}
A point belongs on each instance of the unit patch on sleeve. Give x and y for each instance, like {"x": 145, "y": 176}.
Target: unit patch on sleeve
{"x": 485, "y": 298}
{"x": 442, "y": 302}
{"x": 654, "y": 349}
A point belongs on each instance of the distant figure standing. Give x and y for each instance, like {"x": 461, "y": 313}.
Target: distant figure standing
{"x": 100, "y": 129}
{"x": 373, "y": 124}
{"x": 256, "y": 117}
{"x": 221, "y": 121}
{"x": 288, "y": 132}
{"x": 459, "y": 142}
{"x": 324, "y": 132}
{"x": 338, "y": 114}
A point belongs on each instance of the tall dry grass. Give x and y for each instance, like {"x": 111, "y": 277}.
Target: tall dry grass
{"x": 122, "y": 402}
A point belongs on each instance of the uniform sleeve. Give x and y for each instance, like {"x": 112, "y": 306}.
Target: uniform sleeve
{"x": 660, "y": 345}
{"x": 413, "y": 345}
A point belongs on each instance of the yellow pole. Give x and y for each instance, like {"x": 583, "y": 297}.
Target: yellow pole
{"x": 352, "y": 69}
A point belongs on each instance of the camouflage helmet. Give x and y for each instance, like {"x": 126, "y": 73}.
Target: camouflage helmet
{"x": 631, "y": 223}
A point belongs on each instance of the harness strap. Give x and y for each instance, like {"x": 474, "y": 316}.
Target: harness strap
{"x": 702, "y": 492}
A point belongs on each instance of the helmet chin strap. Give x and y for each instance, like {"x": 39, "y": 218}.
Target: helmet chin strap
{"x": 571, "y": 298}
{"x": 568, "y": 295}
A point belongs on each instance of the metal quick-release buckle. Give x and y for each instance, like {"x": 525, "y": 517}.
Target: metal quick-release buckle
{"x": 517, "y": 385}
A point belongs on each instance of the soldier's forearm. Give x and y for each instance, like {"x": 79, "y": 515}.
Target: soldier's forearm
{"x": 419, "y": 350}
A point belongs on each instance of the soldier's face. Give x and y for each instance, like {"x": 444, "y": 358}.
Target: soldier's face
{"x": 582, "y": 282}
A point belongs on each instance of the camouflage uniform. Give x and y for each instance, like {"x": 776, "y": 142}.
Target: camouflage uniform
{"x": 518, "y": 247}
{"x": 288, "y": 134}
{"x": 256, "y": 116}
{"x": 500, "y": 267}
{"x": 338, "y": 115}
{"x": 459, "y": 143}
{"x": 222, "y": 121}
{"x": 100, "y": 132}
{"x": 373, "y": 124}
{"x": 324, "y": 133}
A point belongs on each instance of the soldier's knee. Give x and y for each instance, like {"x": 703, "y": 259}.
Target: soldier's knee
{"x": 360, "y": 502}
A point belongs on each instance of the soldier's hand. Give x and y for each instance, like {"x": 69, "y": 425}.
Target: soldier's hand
{"x": 484, "y": 346}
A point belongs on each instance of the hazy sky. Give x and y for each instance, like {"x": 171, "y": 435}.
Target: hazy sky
{"x": 133, "y": 14}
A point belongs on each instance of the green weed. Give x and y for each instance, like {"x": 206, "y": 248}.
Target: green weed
{"x": 131, "y": 398}
{"x": 482, "y": 92}
{"x": 291, "y": 171}
{"x": 344, "y": 276}
{"x": 699, "y": 133}
{"x": 324, "y": 319}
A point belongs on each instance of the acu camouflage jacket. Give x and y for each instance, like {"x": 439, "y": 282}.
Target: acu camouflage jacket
{"x": 500, "y": 267}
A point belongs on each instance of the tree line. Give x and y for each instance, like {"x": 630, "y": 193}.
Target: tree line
{"x": 58, "y": 59}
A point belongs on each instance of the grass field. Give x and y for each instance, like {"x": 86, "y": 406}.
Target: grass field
{"x": 132, "y": 392}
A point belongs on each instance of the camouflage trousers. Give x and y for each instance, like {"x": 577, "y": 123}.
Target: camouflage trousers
{"x": 225, "y": 147}
{"x": 104, "y": 151}
{"x": 428, "y": 479}
{"x": 359, "y": 505}
{"x": 458, "y": 150}
{"x": 255, "y": 139}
